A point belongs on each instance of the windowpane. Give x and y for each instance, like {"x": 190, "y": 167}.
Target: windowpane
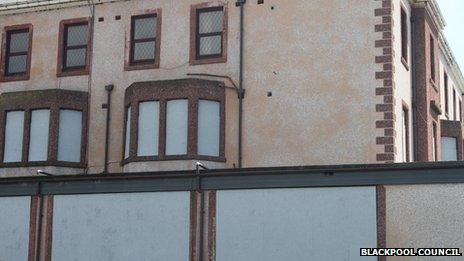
{"x": 148, "y": 130}
{"x": 211, "y": 22}
{"x": 77, "y": 35}
{"x": 449, "y": 149}
{"x": 210, "y": 45}
{"x": 75, "y": 57}
{"x": 144, "y": 51}
{"x": 176, "y": 127}
{"x": 14, "y": 127}
{"x": 208, "y": 127}
{"x": 144, "y": 28}
{"x": 38, "y": 145}
{"x": 128, "y": 130}
{"x": 19, "y": 42}
{"x": 17, "y": 64}
{"x": 70, "y": 136}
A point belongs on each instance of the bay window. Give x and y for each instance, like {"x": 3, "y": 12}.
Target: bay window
{"x": 14, "y": 127}
{"x": 43, "y": 128}
{"x": 39, "y": 133}
{"x": 174, "y": 120}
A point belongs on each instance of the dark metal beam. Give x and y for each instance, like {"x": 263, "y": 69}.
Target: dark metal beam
{"x": 256, "y": 178}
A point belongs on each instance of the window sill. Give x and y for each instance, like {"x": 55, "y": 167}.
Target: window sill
{"x": 72, "y": 73}
{"x": 405, "y": 63}
{"x": 222, "y": 59}
{"x": 15, "y": 78}
{"x": 173, "y": 158}
{"x": 134, "y": 67}
{"x": 43, "y": 164}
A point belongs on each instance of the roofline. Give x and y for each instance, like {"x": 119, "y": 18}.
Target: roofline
{"x": 438, "y": 19}
{"x": 27, "y": 6}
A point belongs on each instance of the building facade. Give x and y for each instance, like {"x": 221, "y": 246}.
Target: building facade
{"x": 130, "y": 86}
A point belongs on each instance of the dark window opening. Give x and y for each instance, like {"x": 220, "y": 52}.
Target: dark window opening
{"x": 404, "y": 35}
{"x": 209, "y": 32}
{"x": 143, "y": 39}
{"x": 432, "y": 58}
{"x": 405, "y": 135}
{"x": 446, "y": 93}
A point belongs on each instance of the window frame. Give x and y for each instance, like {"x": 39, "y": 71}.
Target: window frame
{"x": 434, "y": 142}
{"x": 404, "y": 38}
{"x": 53, "y": 100}
{"x": 432, "y": 59}
{"x": 7, "y": 30}
{"x": 62, "y": 70}
{"x": 405, "y": 123}
{"x": 129, "y": 63}
{"x": 192, "y": 90}
{"x": 446, "y": 93}
{"x": 195, "y": 10}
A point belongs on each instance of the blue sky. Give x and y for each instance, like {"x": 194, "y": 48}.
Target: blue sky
{"x": 453, "y": 11}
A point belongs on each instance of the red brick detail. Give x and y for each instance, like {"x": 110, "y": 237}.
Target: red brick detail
{"x": 386, "y": 87}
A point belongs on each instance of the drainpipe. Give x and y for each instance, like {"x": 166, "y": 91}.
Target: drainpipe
{"x": 414, "y": 88}
{"x": 240, "y": 84}
{"x": 107, "y": 106}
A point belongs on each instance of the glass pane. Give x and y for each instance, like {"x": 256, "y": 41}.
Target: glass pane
{"x": 176, "y": 127}
{"x": 449, "y": 149}
{"x": 70, "y": 136}
{"x": 38, "y": 146}
{"x": 128, "y": 130}
{"x": 17, "y": 64}
{"x": 145, "y": 28}
{"x": 77, "y": 35}
{"x": 144, "y": 51}
{"x": 210, "y": 45}
{"x": 75, "y": 57}
{"x": 19, "y": 42}
{"x": 211, "y": 22}
{"x": 209, "y": 121}
{"x": 148, "y": 129}
{"x": 14, "y": 127}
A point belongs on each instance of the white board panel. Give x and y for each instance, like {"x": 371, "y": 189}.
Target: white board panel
{"x": 120, "y": 227}
{"x": 14, "y": 228}
{"x": 296, "y": 224}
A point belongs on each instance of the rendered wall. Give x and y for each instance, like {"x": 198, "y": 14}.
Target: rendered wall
{"x": 14, "y": 228}
{"x": 112, "y": 227}
{"x": 316, "y": 57}
{"x": 295, "y": 224}
{"x": 422, "y": 216}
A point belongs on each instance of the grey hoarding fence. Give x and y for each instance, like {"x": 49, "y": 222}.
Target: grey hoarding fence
{"x": 253, "y": 178}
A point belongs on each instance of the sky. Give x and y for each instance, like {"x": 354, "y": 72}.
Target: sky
{"x": 453, "y": 11}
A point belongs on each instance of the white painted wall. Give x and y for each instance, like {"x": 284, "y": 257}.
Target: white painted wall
{"x": 14, "y": 228}
{"x": 112, "y": 227}
{"x": 403, "y": 79}
{"x": 295, "y": 224}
